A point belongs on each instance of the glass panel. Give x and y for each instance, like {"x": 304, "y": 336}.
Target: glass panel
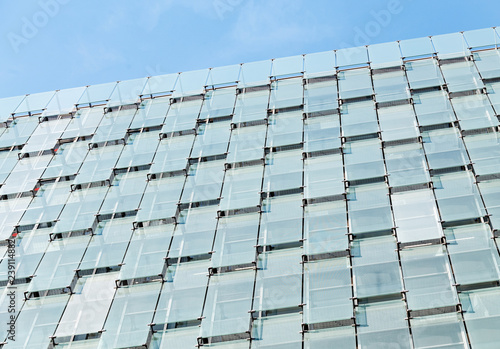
{"x": 127, "y": 92}
{"x": 97, "y": 94}
{"x": 228, "y": 301}
{"x": 278, "y": 332}
{"x": 84, "y": 123}
{"x": 171, "y": 154}
{"x": 241, "y": 188}
{"x": 255, "y": 73}
{"x": 482, "y": 316}
{"x": 323, "y": 176}
{"x": 433, "y": 108}
{"x": 139, "y": 150}
{"x": 481, "y": 37}
{"x": 160, "y": 199}
{"x": 398, "y": 123}
{"x": 218, "y": 103}
{"x": 369, "y": 208}
{"x": 114, "y": 126}
{"x": 283, "y": 171}
{"x": 444, "y": 148}
{"x": 325, "y": 228}
{"x": 129, "y": 316}
{"x": 450, "y": 45}
{"x": 182, "y": 116}
{"x": 322, "y": 133}
{"x": 416, "y": 47}
{"x": 35, "y": 102}
{"x": 358, "y": 118}
{"x": 457, "y": 196}
{"x": 352, "y": 56}
{"x": 319, "y": 64}
{"x": 474, "y": 112}
{"x": 227, "y": 75}
{"x": 284, "y": 129}
{"x": 406, "y": 165}
{"x": 424, "y": 73}
{"x": 327, "y": 291}
{"x": 247, "y": 143}
{"x": 488, "y": 63}
{"x": 342, "y": 337}
{"x": 363, "y": 159}
{"x": 490, "y": 191}
{"x": 355, "y": 83}
{"x": 251, "y": 106}
{"x": 8, "y": 106}
{"x": 203, "y": 181}
{"x": 321, "y": 96}
{"x": 191, "y": 83}
{"x": 428, "y": 277}
{"x": 462, "y": 76}
{"x": 288, "y": 66}
{"x": 384, "y": 55}
{"x": 278, "y": 283}
{"x": 383, "y": 325}
{"x": 64, "y": 101}
{"x": 438, "y": 331}
{"x": 473, "y": 254}
{"x": 390, "y": 86}
{"x": 286, "y": 93}
{"x": 125, "y": 193}
{"x": 160, "y": 84}
{"x": 376, "y": 267}
{"x": 416, "y": 216}
{"x": 151, "y": 112}
{"x": 281, "y": 220}
{"x": 211, "y": 139}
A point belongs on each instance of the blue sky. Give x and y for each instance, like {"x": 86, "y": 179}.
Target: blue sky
{"x": 56, "y": 44}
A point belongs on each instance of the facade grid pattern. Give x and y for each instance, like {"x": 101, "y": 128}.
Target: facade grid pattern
{"x": 347, "y": 199}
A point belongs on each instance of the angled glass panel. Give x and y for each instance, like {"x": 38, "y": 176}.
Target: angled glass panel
{"x": 151, "y": 112}
{"x": 444, "y": 148}
{"x": 424, "y": 73}
{"x": 160, "y": 199}
{"x": 8, "y": 159}
{"x": 355, "y": 83}
{"x": 228, "y": 301}
{"x": 211, "y": 139}
{"x": 125, "y": 193}
{"x": 251, "y": 106}
{"x": 406, "y": 165}
{"x": 284, "y": 129}
{"x": 363, "y": 159}
{"x": 288, "y": 66}
{"x": 194, "y": 232}
{"x": 488, "y": 63}
{"x": 278, "y": 283}
{"x": 8, "y": 106}
{"x": 282, "y": 331}
{"x": 322, "y": 133}
{"x": 171, "y": 154}
{"x": 437, "y": 331}
{"x": 247, "y": 143}
{"x": 473, "y": 254}
{"x": 146, "y": 252}
{"x": 88, "y": 306}
{"x": 283, "y": 171}
{"x": 323, "y": 176}
{"x": 369, "y": 208}
{"x": 384, "y": 55}
{"x": 25, "y": 175}
{"x": 98, "y": 165}
{"x": 482, "y": 316}
{"x": 450, "y": 45}
{"x": 18, "y": 132}
{"x": 462, "y": 76}
{"x": 325, "y": 228}
{"x": 358, "y": 119}
{"x": 416, "y": 216}
{"x": 255, "y": 73}
{"x": 458, "y": 197}
{"x": 183, "y": 293}
{"x": 241, "y": 188}
{"x": 139, "y": 150}
{"x": 83, "y": 123}
{"x": 127, "y": 92}
{"x": 490, "y": 191}
{"x": 109, "y": 244}
{"x": 45, "y": 136}
{"x": 482, "y": 38}
{"x": 474, "y": 112}
{"x": 218, "y": 103}
{"x": 191, "y": 83}
{"x": 484, "y": 151}
{"x": 281, "y": 220}
{"x": 433, "y": 108}
{"x": 416, "y": 47}
{"x": 203, "y": 181}
{"x": 391, "y": 86}
{"x": 114, "y": 126}
{"x": 375, "y": 267}
{"x": 64, "y": 101}
{"x": 383, "y": 325}
{"x": 428, "y": 278}
{"x": 221, "y": 76}
{"x": 319, "y": 64}
{"x": 182, "y": 116}
{"x": 320, "y": 96}
{"x": 327, "y": 291}
{"x": 131, "y": 312}
{"x": 97, "y": 94}
{"x": 35, "y": 103}
{"x": 183, "y": 337}
{"x": 352, "y": 56}
{"x": 398, "y": 122}
{"x": 160, "y": 84}
{"x": 286, "y": 93}
{"x": 235, "y": 242}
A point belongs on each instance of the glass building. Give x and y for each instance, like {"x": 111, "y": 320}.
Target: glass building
{"x": 343, "y": 199}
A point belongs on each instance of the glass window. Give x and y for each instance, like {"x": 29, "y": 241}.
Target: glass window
{"x": 433, "y": 108}
{"x": 438, "y": 330}
{"x": 398, "y": 123}
{"x": 322, "y": 133}
{"x": 355, "y": 83}
{"x": 444, "y": 148}
{"x": 424, "y": 73}
{"x": 474, "y": 112}
{"x": 283, "y": 171}
{"x": 406, "y": 165}
{"x": 358, "y": 118}
{"x": 363, "y": 159}
{"x": 323, "y": 176}
{"x": 284, "y": 129}
{"x": 281, "y": 220}
{"x": 321, "y": 96}
{"x": 286, "y": 93}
